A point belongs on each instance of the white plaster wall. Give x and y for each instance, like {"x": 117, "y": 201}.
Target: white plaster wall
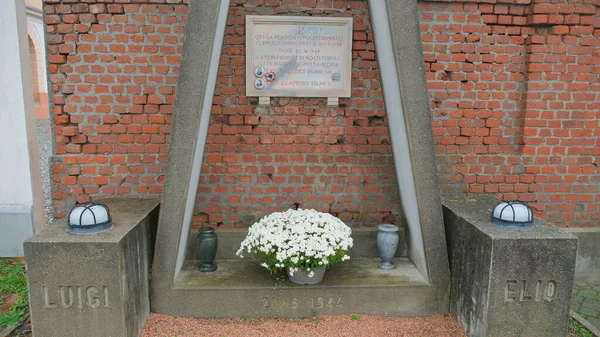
{"x": 20, "y": 177}
{"x": 15, "y": 182}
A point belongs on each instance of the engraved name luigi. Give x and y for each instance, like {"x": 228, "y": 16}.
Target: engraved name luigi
{"x": 526, "y": 290}
{"x": 75, "y": 296}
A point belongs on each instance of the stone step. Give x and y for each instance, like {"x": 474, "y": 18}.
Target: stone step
{"x": 247, "y": 274}
{"x": 242, "y": 288}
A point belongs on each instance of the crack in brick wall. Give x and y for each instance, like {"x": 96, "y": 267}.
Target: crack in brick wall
{"x": 518, "y": 117}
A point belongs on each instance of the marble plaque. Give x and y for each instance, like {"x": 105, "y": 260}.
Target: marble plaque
{"x": 298, "y": 56}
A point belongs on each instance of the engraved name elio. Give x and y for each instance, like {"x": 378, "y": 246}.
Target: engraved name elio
{"x": 526, "y": 291}
{"x": 75, "y": 296}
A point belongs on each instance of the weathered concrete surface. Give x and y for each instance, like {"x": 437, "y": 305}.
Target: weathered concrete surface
{"x": 507, "y": 282}
{"x": 93, "y": 285}
{"x": 408, "y": 51}
{"x": 587, "y": 269}
{"x": 365, "y": 243}
{"x": 242, "y": 287}
{"x": 193, "y": 77}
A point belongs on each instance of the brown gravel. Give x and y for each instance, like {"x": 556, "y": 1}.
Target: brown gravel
{"x": 167, "y": 326}
{"x": 7, "y": 301}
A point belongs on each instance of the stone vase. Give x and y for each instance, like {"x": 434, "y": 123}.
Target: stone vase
{"x": 207, "y": 242}
{"x": 301, "y": 276}
{"x": 387, "y": 243}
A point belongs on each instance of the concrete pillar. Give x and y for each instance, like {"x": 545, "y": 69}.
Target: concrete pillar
{"x": 21, "y": 197}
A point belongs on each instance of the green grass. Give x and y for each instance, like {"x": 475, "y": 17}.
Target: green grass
{"x": 579, "y": 329}
{"x": 13, "y": 281}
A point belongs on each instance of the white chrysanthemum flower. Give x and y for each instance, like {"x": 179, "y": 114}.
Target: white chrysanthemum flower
{"x": 297, "y": 239}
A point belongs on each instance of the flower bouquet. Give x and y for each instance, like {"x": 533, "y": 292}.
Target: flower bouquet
{"x": 302, "y": 241}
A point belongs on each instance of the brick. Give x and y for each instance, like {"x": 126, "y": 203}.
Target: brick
{"x": 544, "y": 8}
{"x": 97, "y": 8}
{"x": 80, "y": 8}
{"x": 537, "y": 19}
{"x": 560, "y": 30}
{"x": 115, "y": 8}
{"x": 69, "y": 130}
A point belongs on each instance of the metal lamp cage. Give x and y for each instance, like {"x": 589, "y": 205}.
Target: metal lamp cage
{"x": 510, "y": 207}
{"x": 96, "y": 227}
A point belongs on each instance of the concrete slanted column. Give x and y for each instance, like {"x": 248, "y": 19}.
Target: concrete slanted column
{"x": 21, "y": 197}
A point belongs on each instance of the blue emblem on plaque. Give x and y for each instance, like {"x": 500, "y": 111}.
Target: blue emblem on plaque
{"x": 260, "y": 83}
{"x": 259, "y": 71}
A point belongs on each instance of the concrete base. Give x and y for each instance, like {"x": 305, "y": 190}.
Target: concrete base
{"x": 242, "y": 287}
{"x": 93, "y": 285}
{"x": 16, "y": 226}
{"x": 507, "y": 282}
{"x": 587, "y": 269}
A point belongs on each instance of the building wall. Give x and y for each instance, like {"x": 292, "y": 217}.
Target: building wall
{"x": 299, "y": 152}
{"x": 514, "y": 95}
{"x": 21, "y": 197}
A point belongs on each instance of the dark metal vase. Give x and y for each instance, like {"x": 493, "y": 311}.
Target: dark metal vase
{"x": 207, "y": 242}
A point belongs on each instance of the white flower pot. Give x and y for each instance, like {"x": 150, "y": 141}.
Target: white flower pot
{"x": 300, "y": 276}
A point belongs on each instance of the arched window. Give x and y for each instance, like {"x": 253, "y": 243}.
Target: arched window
{"x": 35, "y": 72}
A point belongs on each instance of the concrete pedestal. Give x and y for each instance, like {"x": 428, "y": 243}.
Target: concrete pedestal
{"x": 507, "y": 282}
{"x": 93, "y": 285}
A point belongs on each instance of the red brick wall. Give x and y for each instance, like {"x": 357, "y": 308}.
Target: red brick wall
{"x": 298, "y": 152}
{"x": 513, "y": 85}
{"x": 515, "y": 95}
{"x": 113, "y": 71}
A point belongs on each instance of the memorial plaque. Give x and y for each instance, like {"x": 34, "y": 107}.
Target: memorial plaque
{"x": 298, "y": 56}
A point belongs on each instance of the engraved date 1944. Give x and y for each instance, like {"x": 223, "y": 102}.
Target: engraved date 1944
{"x": 314, "y": 303}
